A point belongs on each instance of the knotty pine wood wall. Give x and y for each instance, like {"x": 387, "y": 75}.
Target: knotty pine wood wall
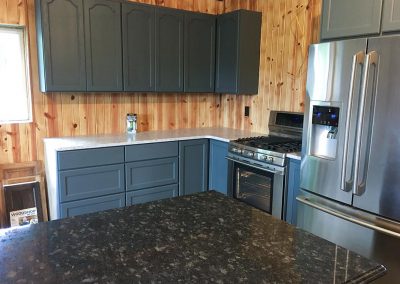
{"x": 289, "y": 26}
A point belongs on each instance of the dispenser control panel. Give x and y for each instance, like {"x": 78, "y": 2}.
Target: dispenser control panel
{"x": 326, "y": 115}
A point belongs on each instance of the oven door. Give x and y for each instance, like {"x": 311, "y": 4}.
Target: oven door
{"x": 258, "y": 186}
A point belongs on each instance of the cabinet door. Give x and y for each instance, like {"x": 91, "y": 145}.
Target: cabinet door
{"x": 227, "y": 47}
{"x": 293, "y": 190}
{"x": 347, "y": 18}
{"x": 218, "y": 166}
{"x": 103, "y": 45}
{"x": 92, "y": 205}
{"x": 138, "y": 47}
{"x": 193, "y": 166}
{"x": 391, "y": 16}
{"x": 249, "y": 51}
{"x": 91, "y": 182}
{"x": 145, "y": 174}
{"x": 169, "y": 50}
{"x": 151, "y": 194}
{"x": 61, "y": 46}
{"x": 199, "y": 52}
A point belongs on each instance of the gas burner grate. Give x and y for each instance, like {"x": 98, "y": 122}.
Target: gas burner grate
{"x": 272, "y": 143}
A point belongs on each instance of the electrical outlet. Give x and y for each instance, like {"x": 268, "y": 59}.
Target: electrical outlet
{"x": 246, "y": 111}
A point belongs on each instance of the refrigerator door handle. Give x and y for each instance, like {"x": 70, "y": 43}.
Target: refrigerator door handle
{"x": 358, "y": 59}
{"x": 350, "y": 214}
{"x": 371, "y": 59}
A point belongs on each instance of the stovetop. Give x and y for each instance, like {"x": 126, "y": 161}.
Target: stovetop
{"x": 272, "y": 143}
{"x": 264, "y": 150}
{"x": 285, "y": 130}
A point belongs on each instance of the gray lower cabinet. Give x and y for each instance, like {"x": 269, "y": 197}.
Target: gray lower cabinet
{"x": 151, "y": 194}
{"x": 91, "y": 205}
{"x": 199, "y": 52}
{"x": 169, "y": 50}
{"x": 91, "y": 182}
{"x": 293, "y": 190}
{"x": 349, "y": 18}
{"x": 391, "y": 16}
{"x": 138, "y": 36}
{"x": 193, "y": 166}
{"x": 90, "y": 157}
{"x": 103, "y": 45}
{"x": 218, "y": 169}
{"x": 152, "y": 173}
{"x": 88, "y": 180}
{"x": 61, "y": 47}
{"x": 151, "y": 151}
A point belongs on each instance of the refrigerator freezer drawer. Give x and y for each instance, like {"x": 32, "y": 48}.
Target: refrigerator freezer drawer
{"x": 370, "y": 243}
{"x": 358, "y": 217}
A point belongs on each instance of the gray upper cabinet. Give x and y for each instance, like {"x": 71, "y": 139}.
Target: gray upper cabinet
{"x": 114, "y": 46}
{"x": 391, "y": 16}
{"x": 193, "y": 166}
{"x": 61, "y": 50}
{"x": 169, "y": 50}
{"x": 103, "y": 45}
{"x": 138, "y": 34}
{"x": 349, "y": 18}
{"x": 238, "y": 52}
{"x": 199, "y": 52}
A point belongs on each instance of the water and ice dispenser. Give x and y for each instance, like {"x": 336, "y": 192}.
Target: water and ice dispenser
{"x": 324, "y": 131}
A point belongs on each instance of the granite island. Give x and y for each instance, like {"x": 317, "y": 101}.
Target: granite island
{"x": 202, "y": 238}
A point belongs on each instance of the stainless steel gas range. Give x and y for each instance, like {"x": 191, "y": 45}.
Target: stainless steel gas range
{"x": 258, "y": 164}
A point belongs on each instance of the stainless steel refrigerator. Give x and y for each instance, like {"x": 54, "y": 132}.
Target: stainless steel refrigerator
{"x": 350, "y": 168}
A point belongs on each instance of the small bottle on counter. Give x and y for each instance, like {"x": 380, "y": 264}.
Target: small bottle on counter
{"x": 131, "y": 122}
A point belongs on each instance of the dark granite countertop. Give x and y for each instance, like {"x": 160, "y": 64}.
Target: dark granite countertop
{"x": 204, "y": 238}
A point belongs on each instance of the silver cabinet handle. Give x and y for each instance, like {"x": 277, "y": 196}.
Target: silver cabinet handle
{"x": 282, "y": 172}
{"x": 371, "y": 59}
{"x": 358, "y": 59}
{"x": 361, "y": 218}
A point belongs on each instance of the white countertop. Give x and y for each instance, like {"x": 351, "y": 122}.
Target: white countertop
{"x": 294, "y": 156}
{"x": 97, "y": 141}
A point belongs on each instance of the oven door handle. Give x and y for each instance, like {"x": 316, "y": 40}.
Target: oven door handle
{"x": 275, "y": 172}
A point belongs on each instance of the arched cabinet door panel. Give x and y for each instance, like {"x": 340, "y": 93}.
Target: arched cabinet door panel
{"x": 199, "y": 52}
{"x": 103, "y": 45}
{"x": 169, "y": 50}
{"x": 138, "y": 37}
{"x": 61, "y": 48}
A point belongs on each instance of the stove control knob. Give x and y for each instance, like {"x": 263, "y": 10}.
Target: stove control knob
{"x": 236, "y": 150}
{"x": 250, "y": 154}
{"x": 269, "y": 159}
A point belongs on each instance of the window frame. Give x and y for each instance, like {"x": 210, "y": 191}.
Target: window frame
{"x": 25, "y": 59}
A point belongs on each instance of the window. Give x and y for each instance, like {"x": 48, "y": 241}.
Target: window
{"x": 15, "y": 98}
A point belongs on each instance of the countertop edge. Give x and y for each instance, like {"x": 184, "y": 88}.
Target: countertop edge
{"x": 294, "y": 156}
{"x": 123, "y": 139}
{"x": 370, "y": 275}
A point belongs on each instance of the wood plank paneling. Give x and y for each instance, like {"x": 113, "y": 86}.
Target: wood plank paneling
{"x": 289, "y": 26}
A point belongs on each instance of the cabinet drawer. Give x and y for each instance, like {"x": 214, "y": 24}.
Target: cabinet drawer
{"x": 151, "y": 194}
{"x": 150, "y": 151}
{"x": 152, "y": 173}
{"x": 90, "y": 157}
{"x": 92, "y": 205}
{"x": 91, "y": 182}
